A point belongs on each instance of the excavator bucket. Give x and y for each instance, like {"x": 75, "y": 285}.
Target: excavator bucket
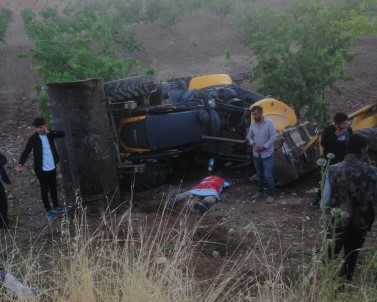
{"x": 281, "y": 114}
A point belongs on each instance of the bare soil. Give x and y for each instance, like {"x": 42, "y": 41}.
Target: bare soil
{"x": 195, "y": 46}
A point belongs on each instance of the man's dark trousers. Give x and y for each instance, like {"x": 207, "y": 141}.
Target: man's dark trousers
{"x": 351, "y": 239}
{"x": 47, "y": 181}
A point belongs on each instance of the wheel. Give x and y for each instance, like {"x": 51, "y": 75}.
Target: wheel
{"x": 155, "y": 174}
{"x": 130, "y": 88}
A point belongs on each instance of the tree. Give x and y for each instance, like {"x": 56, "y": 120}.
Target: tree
{"x": 168, "y": 12}
{"x": 5, "y": 17}
{"x": 88, "y": 41}
{"x": 129, "y": 11}
{"x": 27, "y": 16}
{"x": 303, "y": 51}
{"x": 221, "y": 8}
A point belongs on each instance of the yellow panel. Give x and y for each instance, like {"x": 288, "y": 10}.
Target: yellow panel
{"x": 126, "y": 121}
{"x": 281, "y": 114}
{"x": 365, "y": 117}
{"x": 361, "y": 122}
{"x": 210, "y": 80}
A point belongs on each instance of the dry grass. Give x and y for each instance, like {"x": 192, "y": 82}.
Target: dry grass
{"x": 125, "y": 259}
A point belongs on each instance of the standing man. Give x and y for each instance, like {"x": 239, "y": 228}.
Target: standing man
{"x": 350, "y": 186}
{"x": 333, "y": 140}
{"x": 261, "y": 137}
{"x": 45, "y": 160}
{"x": 4, "y": 221}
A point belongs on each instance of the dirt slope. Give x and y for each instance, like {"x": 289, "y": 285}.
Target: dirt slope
{"x": 17, "y": 79}
{"x": 197, "y": 45}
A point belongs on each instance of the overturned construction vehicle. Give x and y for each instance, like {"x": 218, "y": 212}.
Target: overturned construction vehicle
{"x": 134, "y": 129}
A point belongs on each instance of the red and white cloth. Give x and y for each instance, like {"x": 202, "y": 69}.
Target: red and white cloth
{"x": 210, "y": 186}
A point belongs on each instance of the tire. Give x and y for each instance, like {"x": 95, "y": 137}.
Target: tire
{"x": 371, "y": 135}
{"x": 155, "y": 174}
{"x": 134, "y": 88}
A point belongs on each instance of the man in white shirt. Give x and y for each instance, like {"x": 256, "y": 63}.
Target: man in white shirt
{"x": 45, "y": 160}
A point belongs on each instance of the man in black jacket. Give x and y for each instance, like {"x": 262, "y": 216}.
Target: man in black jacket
{"x": 4, "y": 221}
{"x": 333, "y": 140}
{"x": 45, "y": 160}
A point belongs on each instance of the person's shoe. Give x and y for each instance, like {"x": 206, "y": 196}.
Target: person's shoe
{"x": 270, "y": 199}
{"x": 50, "y": 216}
{"x": 316, "y": 203}
{"x": 256, "y": 195}
{"x": 59, "y": 209}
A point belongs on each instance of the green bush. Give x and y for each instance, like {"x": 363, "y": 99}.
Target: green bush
{"x": 86, "y": 43}
{"x": 5, "y": 17}
{"x": 304, "y": 49}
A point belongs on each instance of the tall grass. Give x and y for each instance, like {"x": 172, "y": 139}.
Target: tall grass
{"x": 128, "y": 259}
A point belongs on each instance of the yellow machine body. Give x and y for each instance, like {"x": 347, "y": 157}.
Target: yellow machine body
{"x": 203, "y": 81}
{"x": 365, "y": 117}
{"x": 281, "y": 114}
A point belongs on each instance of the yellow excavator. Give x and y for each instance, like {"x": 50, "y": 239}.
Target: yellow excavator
{"x": 136, "y": 127}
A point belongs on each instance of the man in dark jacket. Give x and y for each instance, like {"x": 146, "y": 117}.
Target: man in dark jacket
{"x": 351, "y": 187}
{"x": 4, "y": 221}
{"x": 45, "y": 160}
{"x": 333, "y": 140}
